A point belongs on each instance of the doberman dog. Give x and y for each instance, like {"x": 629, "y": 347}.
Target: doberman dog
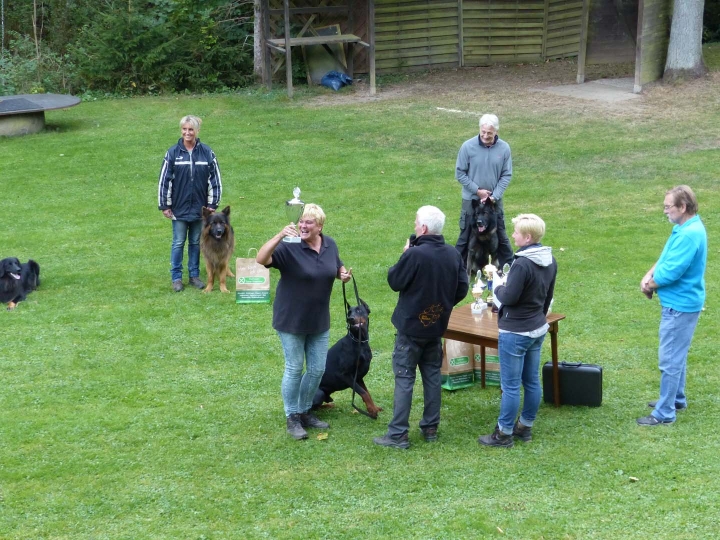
{"x": 350, "y": 355}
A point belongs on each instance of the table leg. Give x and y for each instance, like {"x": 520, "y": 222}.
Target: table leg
{"x": 482, "y": 366}
{"x": 555, "y": 370}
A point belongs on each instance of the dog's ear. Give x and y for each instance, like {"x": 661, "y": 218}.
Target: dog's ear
{"x": 364, "y": 304}
{"x": 226, "y": 211}
{"x": 206, "y": 212}
{"x": 475, "y": 203}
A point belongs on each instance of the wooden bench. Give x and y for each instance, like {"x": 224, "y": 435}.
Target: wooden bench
{"x": 285, "y": 44}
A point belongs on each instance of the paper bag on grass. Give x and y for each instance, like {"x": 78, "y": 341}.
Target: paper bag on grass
{"x": 492, "y": 366}
{"x": 457, "y": 366}
{"x": 252, "y": 281}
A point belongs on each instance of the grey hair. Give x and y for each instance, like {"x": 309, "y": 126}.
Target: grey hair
{"x": 684, "y": 195}
{"x": 490, "y": 120}
{"x": 194, "y": 121}
{"x": 432, "y": 217}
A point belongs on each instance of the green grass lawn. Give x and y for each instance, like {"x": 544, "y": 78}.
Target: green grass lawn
{"x": 129, "y": 411}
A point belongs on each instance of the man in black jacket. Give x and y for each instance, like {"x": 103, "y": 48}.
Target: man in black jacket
{"x": 189, "y": 180}
{"x": 430, "y": 277}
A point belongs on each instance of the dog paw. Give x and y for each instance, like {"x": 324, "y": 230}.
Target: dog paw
{"x": 224, "y": 290}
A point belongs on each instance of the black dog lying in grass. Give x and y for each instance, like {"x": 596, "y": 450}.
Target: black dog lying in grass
{"x": 17, "y": 280}
{"x": 342, "y": 362}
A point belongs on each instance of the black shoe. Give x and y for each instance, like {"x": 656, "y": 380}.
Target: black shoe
{"x": 177, "y": 285}
{"x": 650, "y": 420}
{"x": 429, "y": 434}
{"x": 678, "y": 406}
{"x": 195, "y": 282}
{"x": 308, "y": 419}
{"x": 393, "y": 442}
{"x": 497, "y": 438}
{"x": 522, "y": 432}
{"x": 295, "y": 428}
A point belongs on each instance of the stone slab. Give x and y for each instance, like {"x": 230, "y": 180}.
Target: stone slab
{"x": 607, "y": 90}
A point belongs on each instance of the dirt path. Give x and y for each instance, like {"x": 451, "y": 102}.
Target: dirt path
{"x": 502, "y": 87}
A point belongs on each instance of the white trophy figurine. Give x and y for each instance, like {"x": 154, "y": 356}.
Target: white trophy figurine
{"x": 294, "y": 210}
{"x": 477, "y": 291}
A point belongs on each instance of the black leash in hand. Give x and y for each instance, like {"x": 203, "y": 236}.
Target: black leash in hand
{"x": 356, "y": 340}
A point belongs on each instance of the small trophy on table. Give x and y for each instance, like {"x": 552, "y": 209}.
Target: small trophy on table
{"x": 489, "y": 270}
{"x": 294, "y": 210}
{"x": 477, "y": 291}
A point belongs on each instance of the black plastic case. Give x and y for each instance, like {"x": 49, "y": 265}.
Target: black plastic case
{"x": 580, "y": 384}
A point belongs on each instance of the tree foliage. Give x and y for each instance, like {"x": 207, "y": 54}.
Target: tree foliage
{"x": 132, "y": 46}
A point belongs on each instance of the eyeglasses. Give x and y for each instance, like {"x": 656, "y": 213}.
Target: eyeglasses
{"x": 668, "y": 206}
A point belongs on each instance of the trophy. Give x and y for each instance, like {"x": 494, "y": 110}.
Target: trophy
{"x": 489, "y": 270}
{"x": 294, "y": 210}
{"x": 477, "y": 291}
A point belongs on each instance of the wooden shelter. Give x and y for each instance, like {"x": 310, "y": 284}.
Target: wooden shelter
{"x": 406, "y": 35}
{"x": 293, "y": 24}
{"x": 626, "y": 31}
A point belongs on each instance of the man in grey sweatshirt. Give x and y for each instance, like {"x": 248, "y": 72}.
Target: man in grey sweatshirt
{"x": 484, "y": 169}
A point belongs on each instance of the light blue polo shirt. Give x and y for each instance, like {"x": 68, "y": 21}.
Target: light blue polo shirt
{"x": 680, "y": 270}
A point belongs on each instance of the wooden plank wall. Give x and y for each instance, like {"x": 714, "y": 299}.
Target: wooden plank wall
{"x": 502, "y": 31}
{"x": 421, "y": 34}
{"x": 563, "y": 28}
{"x": 415, "y": 34}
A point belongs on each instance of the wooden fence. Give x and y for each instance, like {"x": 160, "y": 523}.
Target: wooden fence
{"x": 421, "y": 34}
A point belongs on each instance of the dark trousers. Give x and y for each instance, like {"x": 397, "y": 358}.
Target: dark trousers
{"x": 411, "y": 353}
{"x": 504, "y": 253}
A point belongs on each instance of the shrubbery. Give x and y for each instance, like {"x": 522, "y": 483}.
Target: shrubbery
{"x": 128, "y": 47}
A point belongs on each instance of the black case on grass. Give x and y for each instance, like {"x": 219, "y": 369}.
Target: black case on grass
{"x": 580, "y": 384}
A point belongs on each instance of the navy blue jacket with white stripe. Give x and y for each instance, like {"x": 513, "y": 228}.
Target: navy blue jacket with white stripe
{"x": 189, "y": 181}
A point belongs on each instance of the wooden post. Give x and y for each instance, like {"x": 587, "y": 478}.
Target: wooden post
{"x": 583, "y": 41}
{"x": 371, "y": 41}
{"x": 545, "y": 28}
{"x": 461, "y": 36}
{"x": 288, "y": 50}
{"x": 267, "y": 55}
{"x": 637, "y": 87}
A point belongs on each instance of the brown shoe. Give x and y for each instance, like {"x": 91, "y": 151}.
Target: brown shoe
{"x": 429, "y": 434}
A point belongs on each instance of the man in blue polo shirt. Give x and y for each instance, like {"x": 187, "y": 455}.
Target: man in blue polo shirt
{"x": 678, "y": 278}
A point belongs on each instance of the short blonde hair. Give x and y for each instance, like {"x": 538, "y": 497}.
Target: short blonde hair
{"x": 194, "y": 121}
{"x": 530, "y": 224}
{"x": 313, "y": 211}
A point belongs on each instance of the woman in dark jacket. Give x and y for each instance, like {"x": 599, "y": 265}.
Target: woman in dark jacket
{"x": 189, "y": 180}
{"x": 524, "y": 302}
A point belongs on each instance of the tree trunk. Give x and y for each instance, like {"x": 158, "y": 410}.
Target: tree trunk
{"x": 257, "y": 44}
{"x": 684, "y": 58}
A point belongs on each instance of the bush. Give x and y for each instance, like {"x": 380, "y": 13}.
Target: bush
{"x": 23, "y": 71}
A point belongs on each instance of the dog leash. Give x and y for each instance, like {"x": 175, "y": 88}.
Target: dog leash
{"x": 359, "y": 340}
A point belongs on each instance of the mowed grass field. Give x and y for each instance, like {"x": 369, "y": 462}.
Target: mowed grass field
{"x": 130, "y": 411}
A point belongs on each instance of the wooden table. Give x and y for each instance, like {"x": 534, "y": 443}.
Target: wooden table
{"x": 481, "y": 329}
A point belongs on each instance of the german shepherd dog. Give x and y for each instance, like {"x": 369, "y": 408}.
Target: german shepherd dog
{"x": 217, "y": 243}
{"x": 483, "y": 244}
{"x": 11, "y": 287}
{"x": 342, "y": 362}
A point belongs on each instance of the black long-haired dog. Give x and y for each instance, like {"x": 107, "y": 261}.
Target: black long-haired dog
{"x": 11, "y": 287}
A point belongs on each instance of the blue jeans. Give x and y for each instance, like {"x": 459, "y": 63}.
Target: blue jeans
{"x": 409, "y": 354}
{"x": 298, "y": 389}
{"x": 676, "y": 333}
{"x": 181, "y": 230}
{"x": 519, "y": 363}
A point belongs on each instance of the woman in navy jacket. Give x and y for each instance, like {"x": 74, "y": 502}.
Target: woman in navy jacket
{"x": 189, "y": 180}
